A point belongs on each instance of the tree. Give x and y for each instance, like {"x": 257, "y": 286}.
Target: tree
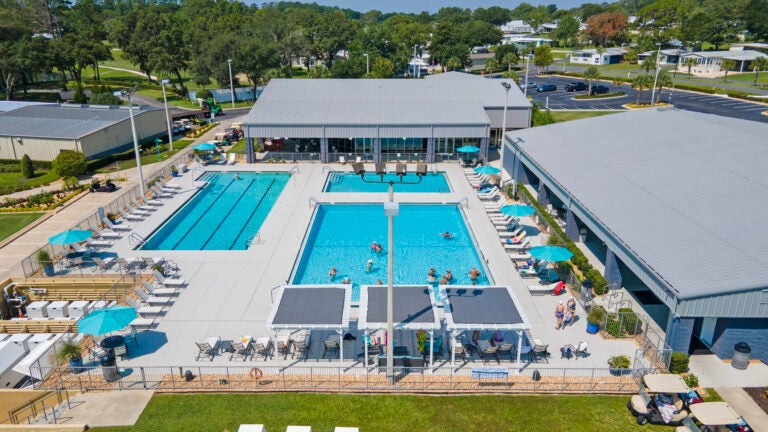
{"x": 539, "y": 117}
{"x": 689, "y": 63}
{"x": 510, "y": 60}
{"x": 319, "y": 71}
{"x": 663, "y": 80}
{"x": 511, "y": 75}
{"x": 604, "y": 27}
{"x": 27, "y": 169}
{"x": 507, "y": 54}
{"x": 649, "y": 63}
{"x": 759, "y": 64}
{"x": 543, "y": 57}
{"x": 382, "y": 68}
{"x": 491, "y": 64}
{"x": 640, "y": 83}
{"x": 567, "y": 30}
{"x": 591, "y": 74}
{"x": 453, "y": 63}
{"x": 70, "y": 163}
{"x": 726, "y": 65}
{"x": 756, "y": 18}
{"x": 330, "y": 33}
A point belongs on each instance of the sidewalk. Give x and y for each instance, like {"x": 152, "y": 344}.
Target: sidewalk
{"x": 745, "y": 406}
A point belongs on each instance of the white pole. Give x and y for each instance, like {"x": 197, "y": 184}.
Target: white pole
{"x": 167, "y": 117}
{"x": 367, "y": 64}
{"x": 525, "y": 88}
{"x": 519, "y": 345}
{"x": 656, "y": 77}
{"x": 507, "y": 86}
{"x": 136, "y": 146}
{"x": 431, "y": 345}
{"x": 390, "y": 290}
{"x": 231, "y": 85}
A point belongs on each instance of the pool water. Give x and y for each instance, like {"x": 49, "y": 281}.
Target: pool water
{"x": 350, "y": 182}
{"x": 225, "y": 215}
{"x": 342, "y": 234}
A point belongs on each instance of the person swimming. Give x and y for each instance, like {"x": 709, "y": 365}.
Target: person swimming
{"x": 332, "y": 273}
{"x": 474, "y": 274}
{"x": 431, "y": 276}
{"x": 448, "y": 275}
{"x": 346, "y": 280}
{"x": 237, "y": 177}
{"x": 374, "y": 246}
{"x": 369, "y": 266}
{"x": 378, "y": 249}
{"x": 379, "y": 282}
{"x": 443, "y": 280}
{"x": 447, "y": 235}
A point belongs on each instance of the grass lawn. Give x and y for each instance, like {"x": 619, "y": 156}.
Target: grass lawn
{"x": 10, "y": 223}
{"x": 219, "y": 412}
{"x": 238, "y": 147}
{"x": 126, "y": 162}
{"x": 9, "y": 182}
{"x": 748, "y": 78}
{"x": 563, "y": 116}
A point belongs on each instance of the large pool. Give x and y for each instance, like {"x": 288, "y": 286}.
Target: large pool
{"x": 341, "y": 236}
{"x": 349, "y": 182}
{"x": 225, "y": 215}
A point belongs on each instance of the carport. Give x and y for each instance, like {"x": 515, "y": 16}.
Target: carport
{"x": 413, "y": 309}
{"x": 309, "y": 307}
{"x": 469, "y": 308}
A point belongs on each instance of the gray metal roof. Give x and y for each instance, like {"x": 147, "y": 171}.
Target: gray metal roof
{"x": 12, "y": 105}
{"x": 414, "y": 307}
{"x": 311, "y": 307}
{"x": 493, "y": 308}
{"x": 685, "y": 193}
{"x": 62, "y": 121}
{"x": 380, "y": 101}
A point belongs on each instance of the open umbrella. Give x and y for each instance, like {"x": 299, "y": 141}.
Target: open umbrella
{"x": 70, "y": 236}
{"x": 487, "y": 169}
{"x": 106, "y": 320}
{"x": 205, "y": 146}
{"x": 468, "y": 149}
{"x": 550, "y": 253}
{"x": 516, "y": 210}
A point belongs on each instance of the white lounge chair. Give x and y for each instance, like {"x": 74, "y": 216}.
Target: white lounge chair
{"x": 162, "y": 193}
{"x": 168, "y": 185}
{"x": 533, "y": 272}
{"x": 168, "y": 281}
{"x": 138, "y": 211}
{"x": 513, "y": 240}
{"x": 495, "y": 207}
{"x": 99, "y": 243}
{"x": 130, "y": 216}
{"x": 150, "y": 300}
{"x": 116, "y": 227}
{"x": 524, "y": 256}
{"x": 142, "y": 309}
{"x": 518, "y": 247}
{"x": 106, "y": 234}
{"x": 489, "y": 196}
{"x": 142, "y": 207}
{"x": 152, "y": 201}
{"x": 342, "y": 160}
{"x": 511, "y": 234}
{"x": 543, "y": 289}
{"x": 142, "y": 322}
{"x": 232, "y": 159}
{"x": 157, "y": 291}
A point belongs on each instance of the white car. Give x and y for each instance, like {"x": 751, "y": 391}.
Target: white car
{"x": 530, "y": 85}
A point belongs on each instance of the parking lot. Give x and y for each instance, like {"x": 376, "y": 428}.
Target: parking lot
{"x": 724, "y": 106}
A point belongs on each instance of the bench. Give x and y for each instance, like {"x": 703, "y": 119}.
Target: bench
{"x": 490, "y": 373}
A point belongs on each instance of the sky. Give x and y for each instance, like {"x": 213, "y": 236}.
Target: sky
{"x": 433, "y": 5}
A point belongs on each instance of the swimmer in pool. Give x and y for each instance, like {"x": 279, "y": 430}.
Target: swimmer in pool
{"x": 369, "y": 266}
{"x": 332, "y": 273}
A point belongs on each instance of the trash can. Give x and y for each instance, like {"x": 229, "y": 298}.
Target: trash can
{"x": 109, "y": 367}
{"x": 586, "y": 289}
{"x": 740, "y": 358}
{"x": 583, "y": 235}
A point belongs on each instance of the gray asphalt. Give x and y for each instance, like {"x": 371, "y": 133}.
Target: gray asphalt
{"x": 724, "y": 106}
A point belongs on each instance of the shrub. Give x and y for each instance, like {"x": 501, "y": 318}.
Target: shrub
{"x": 27, "y": 169}
{"x": 622, "y": 324}
{"x": 104, "y": 98}
{"x": 70, "y": 163}
{"x": 679, "y": 363}
{"x": 79, "y": 97}
{"x": 71, "y": 183}
{"x": 619, "y": 362}
{"x": 40, "y": 199}
{"x": 691, "y": 380}
{"x": 596, "y": 315}
{"x": 204, "y": 94}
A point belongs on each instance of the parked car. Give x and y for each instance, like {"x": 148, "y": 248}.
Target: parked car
{"x": 599, "y": 89}
{"x": 530, "y": 85}
{"x": 576, "y": 86}
{"x": 546, "y": 88}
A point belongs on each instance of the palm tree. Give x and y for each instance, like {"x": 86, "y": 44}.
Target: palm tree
{"x": 510, "y": 59}
{"x": 642, "y": 82}
{"x": 649, "y": 63}
{"x": 590, "y": 75}
{"x": 759, "y": 64}
{"x": 453, "y": 63}
{"x": 689, "y": 63}
{"x": 663, "y": 80}
{"x": 491, "y": 64}
{"x": 727, "y": 65}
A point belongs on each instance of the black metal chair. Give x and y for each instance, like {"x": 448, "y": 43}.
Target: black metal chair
{"x": 491, "y": 351}
{"x": 330, "y": 346}
{"x": 540, "y": 351}
{"x": 508, "y": 348}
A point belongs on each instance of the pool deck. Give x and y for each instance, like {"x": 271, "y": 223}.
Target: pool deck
{"x": 229, "y": 292}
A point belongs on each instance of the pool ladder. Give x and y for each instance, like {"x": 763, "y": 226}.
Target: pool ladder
{"x": 463, "y": 200}
{"x": 136, "y": 239}
{"x": 313, "y": 202}
{"x": 256, "y": 239}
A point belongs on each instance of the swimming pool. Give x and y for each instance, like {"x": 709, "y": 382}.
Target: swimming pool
{"x": 349, "y": 182}
{"x": 224, "y": 215}
{"x": 341, "y": 236}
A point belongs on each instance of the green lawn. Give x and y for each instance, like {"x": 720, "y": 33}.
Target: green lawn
{"x": 127, "y": 160}
{"x": 10, "y": 223}
{"x": 563, "y": 116}
{"x": 10, "y": 182}
{"x": 747, "y": 77}
{"x": 219, "y": 412}
{"x": 238, "y": 147}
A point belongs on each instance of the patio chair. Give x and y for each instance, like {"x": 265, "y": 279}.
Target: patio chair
{"x": 283, "y": 346}
{"x": 330, "y": 346}
{"x": 540, "y": 351}
{"x": 232, "y": 159}
{"x": 143, "y": 309}
{"x": 131, "y": 337}
{"x": 95, "y": 352}
{"x": 159, "y": 193}
{"x": 169, "y": 185}
{"x": 116, "y": 227}
{"x": 106, "y": 234}
{"x": 142, "y": 207}
{"x": 579, "y": 350}
{"x": 204, "y": 349}
{"x": 243, "y": 350}
{"x": 459, "y": 351}
{"x": 150, "y": 300}
{"x": 299, "y": 347}
{"x": 178, "y": 282}
{"x": 130, "y": 216}
{"x": 152, "y": 201}
{"x": 515, "y": 233}
{"x": 508, "y": 348}
{"x": 137, "y": 211}
{"x": 261, "y": 349}
{"x": 491, "y": 351}
{"x": 98, "y": 243}
{"x": 525, "y": 245}
{"x": 103, "y": 265}
{"x": 156, "y": 291}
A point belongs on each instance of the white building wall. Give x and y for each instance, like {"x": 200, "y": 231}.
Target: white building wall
{"x": 148, "y": 124}
{"x": 41, "y": 149}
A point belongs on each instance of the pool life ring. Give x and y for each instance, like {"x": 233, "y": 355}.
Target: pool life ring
{"x": 256, "y": 374}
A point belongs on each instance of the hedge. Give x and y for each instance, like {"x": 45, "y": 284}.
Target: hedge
{"x": 599, "y": 284}
{"x": 622, "y": 324}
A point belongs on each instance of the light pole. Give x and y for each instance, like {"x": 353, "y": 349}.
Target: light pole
{"x": 656, "y": 77}
{"x": 391, "y": 209}
{"x": 507, "y": 86}
{"x": 231, "y": 85}
{"x": 167, "y": 117}
{"x": 128, "y": 93}
{"x": 367, "y": 64}
{"x": 525, "y": 88}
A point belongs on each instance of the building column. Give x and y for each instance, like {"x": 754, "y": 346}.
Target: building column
{"x": 250, "y": 155}
{"x": 484, "y": 149}
{"x": 612, "y": 274}
{"x": 543, "y": 196}
{"x": 324, "y": 150}
{"x": 679, "y": 333}
{"x": 430, "y": 150}
{"x": 571, "y": 227}
{"x": 377, "y": 149}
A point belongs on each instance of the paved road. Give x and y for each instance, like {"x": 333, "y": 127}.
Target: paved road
{"x": 719, "y": 105}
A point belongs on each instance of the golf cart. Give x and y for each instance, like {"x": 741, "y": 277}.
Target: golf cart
{"x": 714, "y": 417}
{"x": 665, "y": 407}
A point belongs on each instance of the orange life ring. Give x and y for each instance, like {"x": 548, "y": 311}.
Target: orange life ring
{"x": 256, "y": 374}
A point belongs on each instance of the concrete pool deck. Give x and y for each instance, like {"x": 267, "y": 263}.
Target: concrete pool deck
{"x": 229, "y": 292}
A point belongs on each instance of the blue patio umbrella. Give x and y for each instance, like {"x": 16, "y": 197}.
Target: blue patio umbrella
{"x": 205, "y": 146}
{"x": 106, "y": 320}
{"x": 516, "y": 210}
{"x": 487, "y": 169}
{"x": 550, "y": 253}
{"x": 468, "y": 149}
{"x": 70, "y": 236}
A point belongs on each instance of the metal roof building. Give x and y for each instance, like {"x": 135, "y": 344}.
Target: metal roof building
{"x": 656, "y": 187}
{"x": 382, "y": 119}
{"x": 42, "y": 131}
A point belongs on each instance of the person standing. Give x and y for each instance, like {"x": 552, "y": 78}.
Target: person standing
{"x": 474, "y": 274}
{"x": 571, "y": 305}
{"x": 559, "y": 315}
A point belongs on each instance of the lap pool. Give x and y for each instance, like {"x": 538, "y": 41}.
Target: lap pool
{"x": 341, "y": 236}
{"x": 350, "y": 182}
{"x": 224, "y": 215}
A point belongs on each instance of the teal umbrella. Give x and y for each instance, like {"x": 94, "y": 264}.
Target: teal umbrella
{"x": 205, "y": 146}
{"x": 516, "y": 210}
{"x": 550, "y": 253}
{"x": 468, "y": 149}
{"x": 487, "y": 169}
{"x": 70, "y": 236}
{"x": 106, "y": 320}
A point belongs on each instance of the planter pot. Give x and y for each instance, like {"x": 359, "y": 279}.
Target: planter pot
{"x": 619, "y": 371}
{"x": 174, "y": 173}
{"x": 49, "y": 270}
{"x": 592, "y": 328}
{"x": 76, "y": 365}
